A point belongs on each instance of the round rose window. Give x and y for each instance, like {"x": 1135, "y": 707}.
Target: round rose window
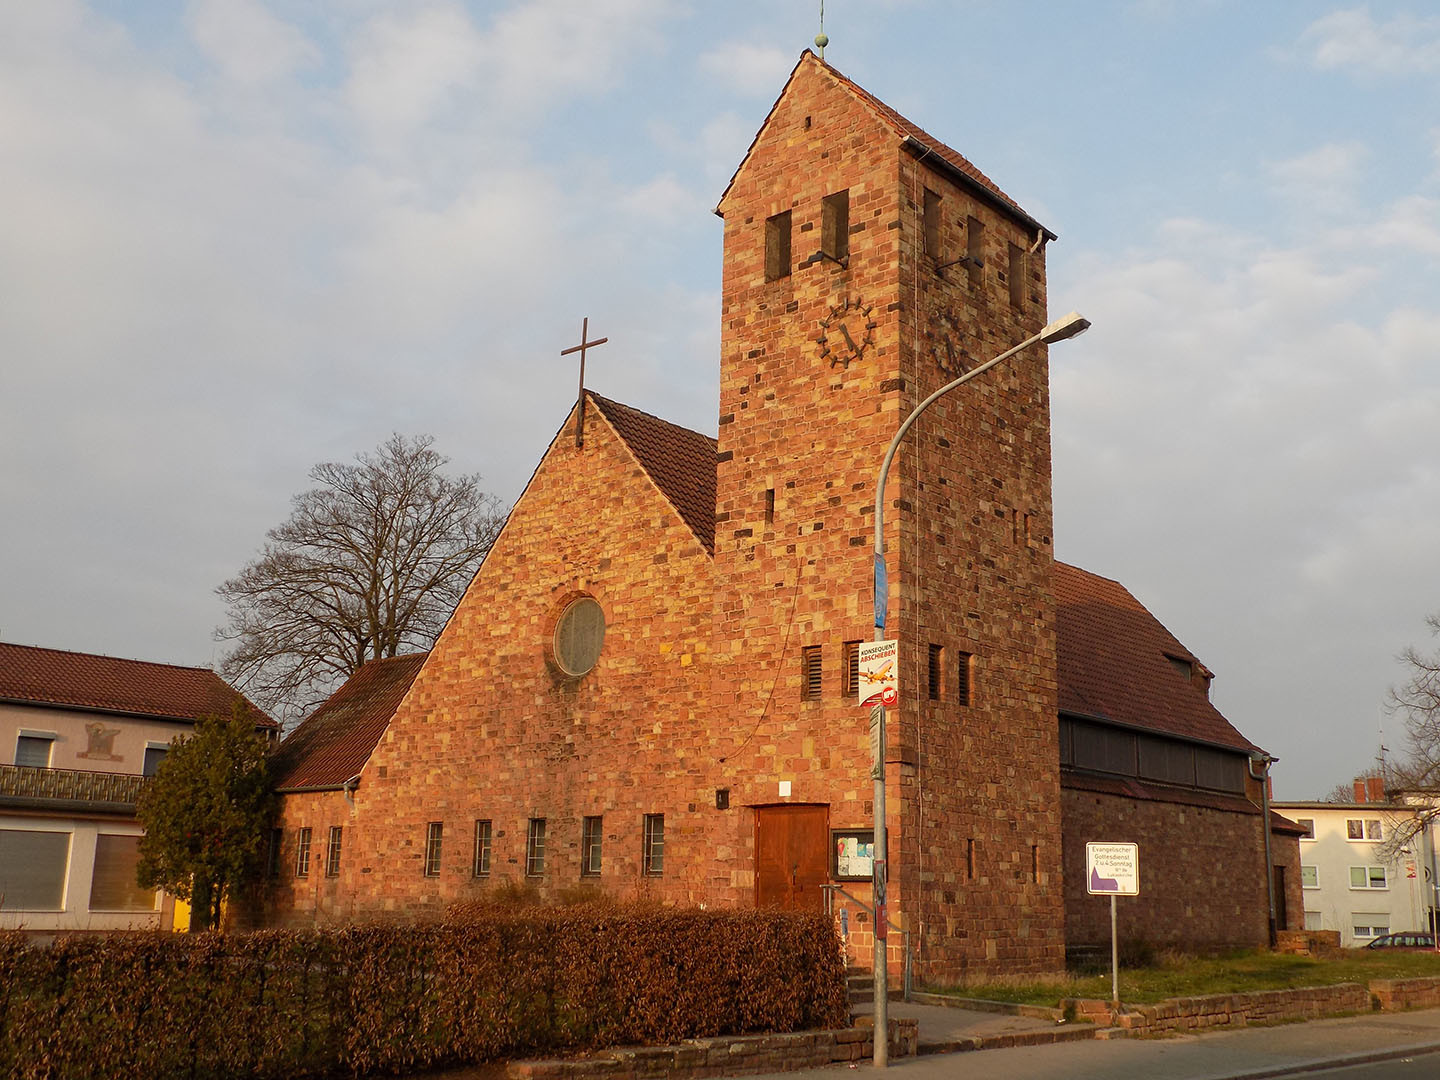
{"x": 579, "y": 635}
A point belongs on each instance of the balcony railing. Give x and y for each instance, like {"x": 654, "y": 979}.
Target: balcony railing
{"x": 23, "y": 785}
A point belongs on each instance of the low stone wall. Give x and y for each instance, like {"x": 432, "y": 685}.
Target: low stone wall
{"x": 728, "y": 1055}
{"x": 1393, "y": 995}
{"x": 1225, "y": 1010}
{"x": 1308, "y": 942}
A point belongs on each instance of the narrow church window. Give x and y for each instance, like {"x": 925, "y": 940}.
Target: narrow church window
{"x": 932, "y": 223}
{"x": 975, "y": 247}
{"x": 769, "y": 506}
{"x": 482, "y": 847}
{"x": 579, "y": 634}
{"x": 332, "y": 852}
{"x": 590, "y": 838}
{"x": 852, "y": 670}
{"x": 1034, "y": 862}
{"x": 965, "y": 681}
{"x": 936, "y": 671}
{"x": 810, "y": 672}
{"x": 654, "y": 853}
{"x": 272, "y": 861}
{"x": 1016, "y": 276}
{"x": 535, "y": 847}
{"x": 835, "y": 226}
{"x": 970, "y": 858}
{"x": 777, "y": 246}
{"x": 434, "y": 836}
{"x": 302, "y": 853}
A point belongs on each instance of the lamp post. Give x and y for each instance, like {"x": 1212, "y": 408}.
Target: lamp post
{"x": 1058, "y": 330}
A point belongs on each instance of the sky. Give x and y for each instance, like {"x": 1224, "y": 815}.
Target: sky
{"x": 242, "y": 237}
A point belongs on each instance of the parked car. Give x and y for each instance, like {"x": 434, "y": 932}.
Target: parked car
{"x": 1404, "y": 941}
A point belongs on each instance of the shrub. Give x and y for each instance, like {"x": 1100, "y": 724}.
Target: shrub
{"x": 489, "y": 983}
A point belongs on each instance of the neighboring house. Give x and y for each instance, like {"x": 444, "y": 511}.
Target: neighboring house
{"x": 80, "y": 735}
{"x": 1367, "y": 867}
{"x": 650, "y": 687}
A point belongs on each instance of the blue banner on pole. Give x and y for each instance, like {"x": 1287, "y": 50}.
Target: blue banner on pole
{"x": 882, "y": 591}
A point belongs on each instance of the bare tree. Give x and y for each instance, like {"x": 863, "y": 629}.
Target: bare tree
{"x": 370, "y": 564}
{"x": 1414, "y": 779}
{"x": 1418, "y": 701}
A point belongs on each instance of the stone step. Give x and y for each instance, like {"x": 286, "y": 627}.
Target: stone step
{"x": 860, "y": 985}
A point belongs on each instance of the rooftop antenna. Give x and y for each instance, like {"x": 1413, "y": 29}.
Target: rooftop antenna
{"x": 820, "y": 39}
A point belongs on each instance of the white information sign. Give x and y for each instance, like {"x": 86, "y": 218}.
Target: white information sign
{"x": 1112, "y": 869}
{"x": 879, "y": 680}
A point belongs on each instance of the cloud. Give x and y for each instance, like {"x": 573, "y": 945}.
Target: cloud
{"x": 1257, "y": 420}
{"x": 248, "y": 42}
{"x": 751, "y": 70}
{"x": 1406, "y": 44}
{"x": 436, "y": 66}
{"x": 1323, "y": 178}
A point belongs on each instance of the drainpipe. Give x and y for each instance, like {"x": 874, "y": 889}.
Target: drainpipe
{"x": 1264, "y": 760}
{"x": 348, "y": 787}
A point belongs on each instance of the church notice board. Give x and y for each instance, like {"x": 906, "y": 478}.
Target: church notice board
{"x": 852, "y": 854}
{"x": 1112, "y": 869}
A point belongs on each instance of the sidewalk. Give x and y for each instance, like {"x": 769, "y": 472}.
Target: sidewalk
{"x": 1241, "y": 1053}
{"x": 944, "y": 1029}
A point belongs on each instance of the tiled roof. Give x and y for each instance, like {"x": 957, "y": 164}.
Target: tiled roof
{"x": 680, "y": 461}
{"x": 904, "y": 128}
{"x": 38, "y": 676}
{"x": 333, "y": 743}
{"x": 1113, "y": 663}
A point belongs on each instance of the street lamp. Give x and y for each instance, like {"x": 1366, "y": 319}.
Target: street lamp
{"x": 1066, "y": 327}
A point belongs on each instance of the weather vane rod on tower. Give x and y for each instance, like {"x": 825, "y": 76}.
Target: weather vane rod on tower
{"x": 820, "y": 39}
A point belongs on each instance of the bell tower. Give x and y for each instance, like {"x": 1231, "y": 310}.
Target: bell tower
{"x": 865, "y": 265}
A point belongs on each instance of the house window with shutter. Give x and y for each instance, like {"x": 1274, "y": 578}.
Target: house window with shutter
{"x": 810, "y": 672}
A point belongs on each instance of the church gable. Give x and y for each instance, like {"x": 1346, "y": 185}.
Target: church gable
{"x": 815, "y": 85}
{"x": 500, "y": 727}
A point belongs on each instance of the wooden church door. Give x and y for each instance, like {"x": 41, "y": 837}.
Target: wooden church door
{"x": 792, "y": 856}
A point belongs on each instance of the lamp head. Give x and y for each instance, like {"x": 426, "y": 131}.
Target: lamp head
{"x": 1067, "y": 326}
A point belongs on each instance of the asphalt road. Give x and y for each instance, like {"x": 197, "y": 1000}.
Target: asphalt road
{"x": 1409, "y": 1068}
{"x": 1373, "y": 1045}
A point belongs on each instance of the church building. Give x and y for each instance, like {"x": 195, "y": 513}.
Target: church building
{"x": 650, "y": 687}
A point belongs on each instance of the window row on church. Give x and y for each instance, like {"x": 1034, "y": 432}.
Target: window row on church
{"x": 592, "y": 845}
{"x": 537, "y": 836}
{"x": 1096, "y": 747}
{"x": 949, "y": 674}
{"x": 326, "y": 861}
{"x": 835, "y": 243}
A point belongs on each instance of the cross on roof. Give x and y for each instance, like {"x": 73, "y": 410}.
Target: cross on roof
{"x": 584, "y": 344}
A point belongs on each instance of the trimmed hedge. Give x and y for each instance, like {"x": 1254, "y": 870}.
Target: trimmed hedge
{"x": 494, "y": 984}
